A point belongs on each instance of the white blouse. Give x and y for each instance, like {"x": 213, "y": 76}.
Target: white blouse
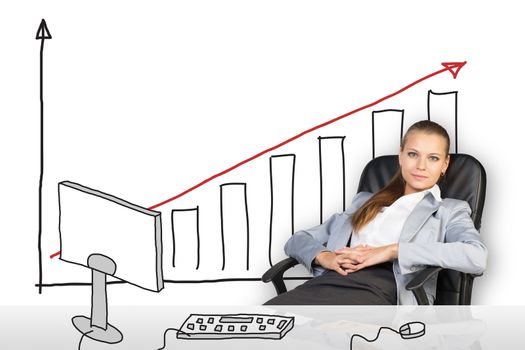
{"x": 386, "y": 227}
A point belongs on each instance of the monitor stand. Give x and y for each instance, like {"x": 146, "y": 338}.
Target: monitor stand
{"x": 97, "y": 327}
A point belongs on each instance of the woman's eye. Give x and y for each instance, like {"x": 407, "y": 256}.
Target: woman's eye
{"x": 434, "y": 158}
{"x": 412, "y": 154}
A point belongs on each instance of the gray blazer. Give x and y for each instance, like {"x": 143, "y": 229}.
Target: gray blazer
{"x": 434, "y": 234}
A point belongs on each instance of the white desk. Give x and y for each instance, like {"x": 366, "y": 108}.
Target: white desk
{"x": 315, "y": 327}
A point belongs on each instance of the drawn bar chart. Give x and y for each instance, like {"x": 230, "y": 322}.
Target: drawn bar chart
{"x": 193, "y": 232}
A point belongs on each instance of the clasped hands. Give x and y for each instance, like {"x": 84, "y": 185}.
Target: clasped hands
{"x": 351, "y": 259}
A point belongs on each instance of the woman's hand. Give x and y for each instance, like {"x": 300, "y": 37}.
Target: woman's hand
{"x": 371, "y": 255}
{"x": 343, "y": 260}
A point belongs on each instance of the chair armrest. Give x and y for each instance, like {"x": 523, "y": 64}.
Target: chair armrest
{"x": 423, "y": 276}
{"x": 416, "y": 285}
{"x": 275, "y": 274}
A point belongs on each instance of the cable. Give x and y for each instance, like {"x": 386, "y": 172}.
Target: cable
{"x": 373, "y": 340}
{"x": 410, "y": 330}
{"x": 166, "y": 332}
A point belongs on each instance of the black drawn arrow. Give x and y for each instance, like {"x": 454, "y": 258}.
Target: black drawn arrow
{"x": 42, "y": 34}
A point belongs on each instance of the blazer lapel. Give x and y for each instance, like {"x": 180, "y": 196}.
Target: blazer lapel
{"x": 341, "y": 239}
{"x": 422, "y": 211}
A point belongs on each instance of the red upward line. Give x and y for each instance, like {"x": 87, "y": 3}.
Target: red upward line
{"x": 452, "y": 67}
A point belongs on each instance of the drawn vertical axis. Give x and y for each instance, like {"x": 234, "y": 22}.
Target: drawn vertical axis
{"x": 42, "y": 34}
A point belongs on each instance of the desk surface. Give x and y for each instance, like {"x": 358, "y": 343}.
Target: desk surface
{"x": 315, "y": 327}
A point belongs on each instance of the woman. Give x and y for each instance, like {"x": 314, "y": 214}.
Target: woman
{"x": 367, "y": 254}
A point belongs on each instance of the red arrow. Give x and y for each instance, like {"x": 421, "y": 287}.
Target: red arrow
{"x": 452, "y": 67}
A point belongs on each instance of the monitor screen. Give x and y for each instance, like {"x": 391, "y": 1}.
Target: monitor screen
{"x": 93, "y": 222}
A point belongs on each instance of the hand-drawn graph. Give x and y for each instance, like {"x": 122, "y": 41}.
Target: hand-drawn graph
{"x": 237, "y": 229}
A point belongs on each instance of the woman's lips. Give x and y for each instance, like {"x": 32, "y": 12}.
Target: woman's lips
{"x": 419, "y": 177}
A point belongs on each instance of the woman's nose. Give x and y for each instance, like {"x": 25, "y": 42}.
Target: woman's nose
{"x": 421, "y": 164}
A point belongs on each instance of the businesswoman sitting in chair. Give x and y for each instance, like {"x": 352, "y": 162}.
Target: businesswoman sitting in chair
{"x": 367, "y": 254}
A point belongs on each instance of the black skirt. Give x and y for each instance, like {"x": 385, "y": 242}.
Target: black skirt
{"x": 374, "y": 285}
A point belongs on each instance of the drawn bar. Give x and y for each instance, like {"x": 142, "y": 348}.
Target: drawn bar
{"x": 444, "y": 110}
{"x": 186, "y": 237}
{"x": 384, "y": 130}
{"x": 332, "y": 176}
{"x": 235, "y": 228}
{"x": 282, "y": 176}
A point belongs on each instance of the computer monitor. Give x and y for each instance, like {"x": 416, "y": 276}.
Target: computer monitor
{"x": 111, "y": 237}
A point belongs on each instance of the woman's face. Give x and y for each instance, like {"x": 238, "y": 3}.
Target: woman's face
{"x": 422, "y": 160}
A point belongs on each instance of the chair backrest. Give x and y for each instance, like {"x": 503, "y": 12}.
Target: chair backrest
{"x": 466, "y": 180}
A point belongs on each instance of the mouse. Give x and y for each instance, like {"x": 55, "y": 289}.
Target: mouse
{"x": 412, "y": 330}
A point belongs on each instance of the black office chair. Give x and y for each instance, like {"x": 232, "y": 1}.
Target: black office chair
{"x": 465, "y": 180}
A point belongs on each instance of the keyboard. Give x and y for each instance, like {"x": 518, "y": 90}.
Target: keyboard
{"x": 215, "y": 326}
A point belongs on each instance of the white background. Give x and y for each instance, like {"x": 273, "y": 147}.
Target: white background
{"x": 145, "y": 99}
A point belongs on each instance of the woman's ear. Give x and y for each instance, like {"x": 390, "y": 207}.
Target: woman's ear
{"x": 446, "y": 163}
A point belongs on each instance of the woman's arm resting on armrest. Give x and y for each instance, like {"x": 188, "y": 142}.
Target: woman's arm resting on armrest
{"x": 462, "y": 250}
